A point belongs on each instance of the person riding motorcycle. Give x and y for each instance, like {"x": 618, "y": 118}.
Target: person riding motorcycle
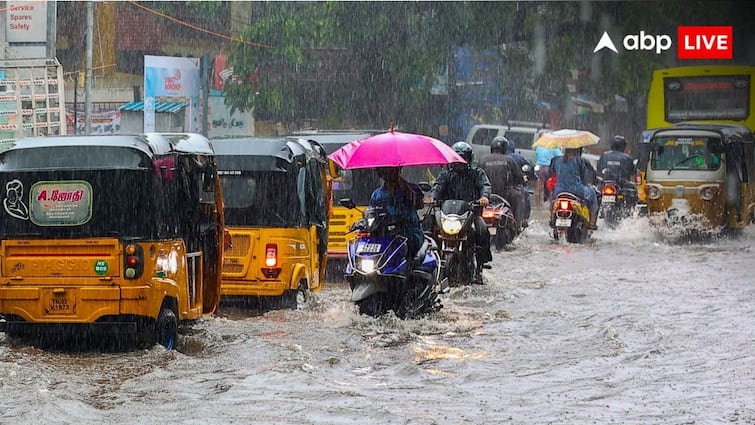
{"x": 509, "y": 149}
{"x": 401, "y": 199}
{"x": 576, "y": 176}
{"x": 466, "y": 182}
{"x": 506, "y": 177}
{"x": 619, "y": 163}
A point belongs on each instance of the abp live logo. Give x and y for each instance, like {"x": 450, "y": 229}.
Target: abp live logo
{"x": 694, "y": 42}
{"x": 705, "y": 42}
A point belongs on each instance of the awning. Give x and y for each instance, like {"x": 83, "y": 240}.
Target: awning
{"x": 167, "y": 107}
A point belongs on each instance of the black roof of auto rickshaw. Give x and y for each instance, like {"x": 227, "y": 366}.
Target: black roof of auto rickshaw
{"x": 729, "y": 132}
{"x": 256, "y": 154}
{"x": 136, "y": 141}
{"x": 163, "y": 143}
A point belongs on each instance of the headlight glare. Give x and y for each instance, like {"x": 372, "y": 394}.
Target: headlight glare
{"x": 367, "y": 265}
{"x": 450, "y": 226}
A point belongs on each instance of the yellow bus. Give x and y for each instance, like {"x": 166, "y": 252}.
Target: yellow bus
{"x": 712, "y": 93}
{"x": 119, "y": 234}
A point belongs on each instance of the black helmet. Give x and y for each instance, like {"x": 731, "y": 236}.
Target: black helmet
{"x": 499, "y": 145}
{"x": 619, "y": 143}
{"x": 464, "y": 150}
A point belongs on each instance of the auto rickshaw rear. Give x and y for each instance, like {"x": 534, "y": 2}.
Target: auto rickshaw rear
{"x": 276, "y": 194}
{"x": 111, "y": 233}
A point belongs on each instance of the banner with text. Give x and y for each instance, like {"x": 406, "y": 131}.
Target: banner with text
{"x": 166, "y": 76}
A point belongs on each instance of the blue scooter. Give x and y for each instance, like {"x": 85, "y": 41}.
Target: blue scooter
{"x": 381, "y": 277}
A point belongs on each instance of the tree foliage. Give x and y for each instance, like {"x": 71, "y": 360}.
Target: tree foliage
{"x": 387, "y": 54}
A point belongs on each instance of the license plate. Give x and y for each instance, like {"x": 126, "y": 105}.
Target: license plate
{"x": 563, "y": 222}
{"x": 609, "y": 199}
{"x": 368, "y": 247}
{"x": 60, "y": 304}
{"x": 492, "y": 230}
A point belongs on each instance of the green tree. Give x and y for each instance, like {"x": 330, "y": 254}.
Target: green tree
{"x": 387, "y": 54}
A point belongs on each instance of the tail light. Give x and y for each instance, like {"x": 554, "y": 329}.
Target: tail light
{"x": 133, "y": 261}
{"x": 271, "y": 255}
{"x": 609, "y": 190}
{"x": 271, "y": 260}
{"x": 550, "y": 183}
{"x": 564, "y": 204}
{"x": 488, "y": 213}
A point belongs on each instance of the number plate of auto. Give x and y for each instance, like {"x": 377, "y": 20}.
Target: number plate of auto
{"x": 609, "y": 199}
{"x": 563, "y": 222}
{"x": 60, "y": 304}
{"x": 368, "y": 247}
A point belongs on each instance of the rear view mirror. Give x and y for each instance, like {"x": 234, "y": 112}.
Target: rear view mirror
{"x": 425, "y": 186}
{"x": 347, "y": 202}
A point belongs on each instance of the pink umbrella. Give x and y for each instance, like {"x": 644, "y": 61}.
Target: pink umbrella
{"x": 394, "y": 149}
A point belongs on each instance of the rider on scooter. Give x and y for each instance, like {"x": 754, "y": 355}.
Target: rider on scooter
{"x": 506, "y": 177}
{"x": 524, "y": 163}
{"x": 574, "y": 175}
{"x": 466, "y": 182}
{"x": 621, "y": 165}
{"x": 401, "y": 199}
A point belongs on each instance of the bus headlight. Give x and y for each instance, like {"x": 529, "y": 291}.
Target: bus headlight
{"x": 653, "y": 192}
{"x": 450, "y": 226}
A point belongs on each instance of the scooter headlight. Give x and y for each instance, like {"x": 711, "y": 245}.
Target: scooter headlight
{"x": 367, "y": 265}
{"x": 450, "y": 226}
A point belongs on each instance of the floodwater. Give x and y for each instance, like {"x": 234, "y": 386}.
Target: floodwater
{"x": 629, "y": 328}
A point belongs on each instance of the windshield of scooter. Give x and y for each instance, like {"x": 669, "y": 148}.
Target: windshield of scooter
{"x": 455, "y": 206}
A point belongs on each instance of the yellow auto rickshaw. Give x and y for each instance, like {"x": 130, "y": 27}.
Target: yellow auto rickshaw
{"x": 276, "y": 195}
{"x": 700, "y": 176}
{"x": 118, "y": 234}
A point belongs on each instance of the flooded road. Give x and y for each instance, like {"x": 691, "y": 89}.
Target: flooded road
{"x": 627, "y": 329}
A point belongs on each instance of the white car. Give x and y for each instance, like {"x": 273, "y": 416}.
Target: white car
{"x": 523, "y": 134}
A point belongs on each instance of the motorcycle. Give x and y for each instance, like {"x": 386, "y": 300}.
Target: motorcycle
{"x": 452, "y": 228}
{"x": 618, "y": 202}
{"x": 570, "y": 219}
{"x": 380, "y": 276}
{"x": 501, "y": 222}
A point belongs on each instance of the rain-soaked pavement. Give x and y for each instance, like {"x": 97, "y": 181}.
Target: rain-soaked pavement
{"x": 628, "y": 329}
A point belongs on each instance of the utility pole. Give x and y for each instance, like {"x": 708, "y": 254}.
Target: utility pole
{"x": 88, "y": 81}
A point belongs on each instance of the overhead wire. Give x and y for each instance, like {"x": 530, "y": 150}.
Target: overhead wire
{"x": 195, "y": 27}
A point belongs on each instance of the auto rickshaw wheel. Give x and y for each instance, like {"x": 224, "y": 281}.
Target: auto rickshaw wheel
{"x": 166, "y": 328}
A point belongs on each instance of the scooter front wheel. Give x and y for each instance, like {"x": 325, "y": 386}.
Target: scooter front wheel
{"x": 375, "y": 305}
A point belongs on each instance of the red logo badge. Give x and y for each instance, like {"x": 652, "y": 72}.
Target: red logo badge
{"x": 705, "y": 42}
